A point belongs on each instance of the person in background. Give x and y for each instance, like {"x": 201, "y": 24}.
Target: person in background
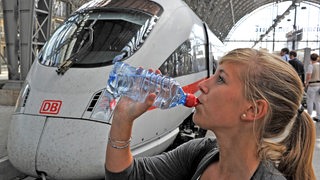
{"x": 284, "y": 53}
{"x": 297, "y": 65}
{"x": 313, "y": 86}
{"x": 252, "y": 104}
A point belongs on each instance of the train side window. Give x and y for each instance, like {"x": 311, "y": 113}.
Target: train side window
{"x": 189, "y": 57}
{"x": 212, "y": 60}
{"x": 216, "y": 51}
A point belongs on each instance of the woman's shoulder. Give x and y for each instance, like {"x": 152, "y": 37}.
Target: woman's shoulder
{"x": 199, "y": 143}
{"x": 197, "y": 147}
{"x": 267, "y": 171}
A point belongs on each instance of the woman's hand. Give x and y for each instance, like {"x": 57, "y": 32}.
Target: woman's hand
{"x": 127, "y": 110}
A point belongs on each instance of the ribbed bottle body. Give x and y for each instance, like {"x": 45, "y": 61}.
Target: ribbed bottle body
{"x": 137, "y": 83}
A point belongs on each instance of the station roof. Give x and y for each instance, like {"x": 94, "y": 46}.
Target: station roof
{"x": 222, "y": 15}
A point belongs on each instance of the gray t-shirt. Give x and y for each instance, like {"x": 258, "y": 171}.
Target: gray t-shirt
{"x": 187, "y": 161}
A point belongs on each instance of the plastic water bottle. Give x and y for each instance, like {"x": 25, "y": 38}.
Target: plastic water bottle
{"x": 137, "y": 83}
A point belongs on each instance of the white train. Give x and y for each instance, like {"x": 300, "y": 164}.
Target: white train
{"x": 60, "y": 126}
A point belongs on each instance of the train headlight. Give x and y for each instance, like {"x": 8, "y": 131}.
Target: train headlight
{"x": 23, "y": 97}
{"x": 103, "y": 108}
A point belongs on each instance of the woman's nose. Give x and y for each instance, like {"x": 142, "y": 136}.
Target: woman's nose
{"x": 203, "y": 86}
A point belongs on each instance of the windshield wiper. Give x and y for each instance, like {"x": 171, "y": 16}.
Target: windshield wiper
{"x": 66, "y": 41}
{"x": 82, "y": 50}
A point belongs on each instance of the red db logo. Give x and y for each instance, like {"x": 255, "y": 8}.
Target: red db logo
{"x": 50, "y": 107}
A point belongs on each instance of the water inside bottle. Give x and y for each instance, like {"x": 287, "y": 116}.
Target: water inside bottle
{"x": 138, "y": 83}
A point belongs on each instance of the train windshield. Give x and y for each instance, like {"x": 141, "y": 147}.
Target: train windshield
{"x": 96, "y": 38}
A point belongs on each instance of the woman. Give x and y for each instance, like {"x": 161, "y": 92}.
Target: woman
{"x": 252, "y": 104}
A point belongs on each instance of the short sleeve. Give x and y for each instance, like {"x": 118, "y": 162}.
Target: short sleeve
{"x": 309, "y": 69}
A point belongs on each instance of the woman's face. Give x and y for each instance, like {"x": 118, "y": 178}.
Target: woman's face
{"x": 222, "y": 100}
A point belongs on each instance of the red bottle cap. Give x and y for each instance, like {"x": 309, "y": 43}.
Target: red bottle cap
{"x": 191, "y": 100}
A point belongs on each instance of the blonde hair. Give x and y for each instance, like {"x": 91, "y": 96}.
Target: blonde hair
{"x": 286, "y": 137}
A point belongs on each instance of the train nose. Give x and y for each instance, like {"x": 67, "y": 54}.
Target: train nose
{"x": 60, "y": 148}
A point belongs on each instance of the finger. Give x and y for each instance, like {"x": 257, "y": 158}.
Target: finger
{"x": 158, "y": 71}
{"x": 150, "y": 99}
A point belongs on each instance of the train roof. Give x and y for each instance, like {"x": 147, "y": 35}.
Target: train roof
{"x": 155, "y": 6}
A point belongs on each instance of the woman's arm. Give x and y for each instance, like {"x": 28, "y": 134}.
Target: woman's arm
{"x": 118, "y": 154}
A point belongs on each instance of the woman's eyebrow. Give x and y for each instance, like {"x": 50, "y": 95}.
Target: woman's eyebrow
{"x": 222, "y": 71}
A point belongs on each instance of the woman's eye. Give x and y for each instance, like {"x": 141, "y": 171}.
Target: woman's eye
{"x": 220, "y": 79}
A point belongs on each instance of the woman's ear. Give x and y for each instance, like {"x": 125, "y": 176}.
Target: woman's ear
{"x": 256, "y": 110}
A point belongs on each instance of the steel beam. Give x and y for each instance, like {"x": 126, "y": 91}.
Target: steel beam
{"x": 11, "y": 30}
{"x": 27, "y": 27}
{"x": 35, "y": 23}
{"x": 26, "y": 22}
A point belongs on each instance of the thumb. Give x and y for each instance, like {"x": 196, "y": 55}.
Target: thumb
{"x": 150, "y": 99}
